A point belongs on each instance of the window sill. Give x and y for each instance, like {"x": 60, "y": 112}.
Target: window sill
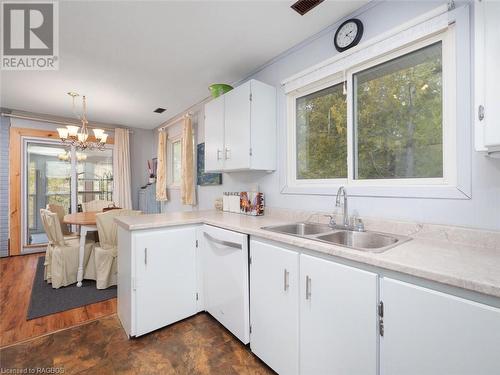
{"x": 424, "y": 191}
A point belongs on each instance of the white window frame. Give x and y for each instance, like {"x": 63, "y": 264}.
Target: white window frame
{"x": 170, "y": 160}
{"x": 456, "y": 180}
{"x": 447, "y": 39}
{"x": 292, "y": 135}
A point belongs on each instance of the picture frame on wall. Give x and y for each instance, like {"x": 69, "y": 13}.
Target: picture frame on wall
{"x": 205, "y": 179}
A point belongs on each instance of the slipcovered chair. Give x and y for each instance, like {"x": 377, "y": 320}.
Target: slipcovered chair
{"x": 59, "y": 210}
{"x": 61, "y": 258}
{"x": 96, "y": 205}
{"x": 102, "y": 265}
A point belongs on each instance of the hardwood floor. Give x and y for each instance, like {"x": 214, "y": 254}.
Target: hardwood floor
{"x": 16, "y": 278}
{"x": 197, "y": 345}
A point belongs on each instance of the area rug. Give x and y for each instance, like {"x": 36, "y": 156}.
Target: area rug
{"x": 45, "y": 300}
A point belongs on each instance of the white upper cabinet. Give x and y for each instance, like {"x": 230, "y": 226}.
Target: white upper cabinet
{"x": 214, "y": 135}
{"x": 433, "y": 333}
{"x": 237, "y": 121}
{"x": 487, "y": 75}
{"x": 240, "y": 129}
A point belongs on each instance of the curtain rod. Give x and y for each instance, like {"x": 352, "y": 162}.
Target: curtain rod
{"x": 41, "y": 119}
{"x": 175, "y": 121}
{"x": 189, "y": 111}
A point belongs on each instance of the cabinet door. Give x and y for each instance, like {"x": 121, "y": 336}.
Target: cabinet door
{"x": 263, "y": 127}
{"x": 432, "y": 333}
{"x": 492, "y": 73}
{"x": 338, "y": 319}
{"x": 225, "y": 263}
{"x": 237, "y": 128}
{"x": 214, "y": 135}
{"x": 165, "y": 271}
{"x": 274, "y": 306}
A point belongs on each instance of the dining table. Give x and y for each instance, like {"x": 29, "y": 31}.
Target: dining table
{"x": 87, "y": 223}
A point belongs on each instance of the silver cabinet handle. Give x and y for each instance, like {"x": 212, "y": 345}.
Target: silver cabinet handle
{"x": 221, "y": 242}
{"x": 286, "y": 283}
{"x": 308, "y": 287}
{"x": 146, "y": 256}
{"x": 219, "y": 152}
{"x": 227, "y": 153}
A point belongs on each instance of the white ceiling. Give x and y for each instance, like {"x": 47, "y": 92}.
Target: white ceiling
{"x": 132, "y": 57}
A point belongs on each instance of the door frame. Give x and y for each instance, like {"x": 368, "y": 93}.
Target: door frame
{"x": 15, "y": 182}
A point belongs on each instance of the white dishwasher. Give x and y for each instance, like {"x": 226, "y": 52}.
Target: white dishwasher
{"x": 225, "y": 279}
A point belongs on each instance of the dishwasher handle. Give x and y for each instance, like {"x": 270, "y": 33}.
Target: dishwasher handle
{"x": 222, "y": 242}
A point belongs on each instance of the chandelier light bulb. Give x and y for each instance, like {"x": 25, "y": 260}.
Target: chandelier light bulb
{"x": 98, "y": 133}
{"x": 63, "y": 133}
{"x": 73, "y": 130}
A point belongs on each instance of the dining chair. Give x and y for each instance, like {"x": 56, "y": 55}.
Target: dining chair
{"x": 61, "y": 258}
{"x": 96, "y": 205}
{"x": 59, "y": 210}
{"x": 102, "y": 266}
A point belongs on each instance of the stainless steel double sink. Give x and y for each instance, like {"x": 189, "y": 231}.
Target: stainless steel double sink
{"x": 369, "y": 241}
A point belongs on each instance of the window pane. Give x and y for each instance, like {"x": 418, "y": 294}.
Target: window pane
{"x": 321, "y": 131}
{"x": 176, "y": 162}
{"x": 398, "y": 117}
{"x": 95, "y": 175}
{"x": 47, "y": 181}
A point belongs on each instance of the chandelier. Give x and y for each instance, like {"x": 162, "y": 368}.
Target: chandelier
{"x": 79, "y": 136}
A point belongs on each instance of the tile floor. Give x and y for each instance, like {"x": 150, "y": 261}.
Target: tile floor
{"x": 197, "y": 345}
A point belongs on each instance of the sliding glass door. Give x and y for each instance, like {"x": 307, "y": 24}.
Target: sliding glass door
{"x": 47, "y": 181}
{"x": 55, "y": 174}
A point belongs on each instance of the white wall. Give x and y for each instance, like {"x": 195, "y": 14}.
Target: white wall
{"x": 482, "y": 211}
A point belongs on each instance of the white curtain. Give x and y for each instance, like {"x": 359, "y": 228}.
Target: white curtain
{"x": 161, "y": 172}
{"x": 121, "y": 170}
{"x": 187, "y": 183}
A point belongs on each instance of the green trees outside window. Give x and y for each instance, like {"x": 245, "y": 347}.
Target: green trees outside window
{"x": 321, "y": 128}
{"x": 398, "y": 117}
{"x": 397, "y": 122}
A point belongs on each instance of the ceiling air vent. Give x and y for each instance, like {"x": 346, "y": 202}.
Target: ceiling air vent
{"x": 159, "y": 110}
{"x": 304, "y": 6}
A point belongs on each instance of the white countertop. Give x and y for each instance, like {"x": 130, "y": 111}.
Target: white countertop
{"x": 464, "y": 266}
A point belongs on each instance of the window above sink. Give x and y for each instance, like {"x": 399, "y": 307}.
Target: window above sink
{"x": 384, "y": 119}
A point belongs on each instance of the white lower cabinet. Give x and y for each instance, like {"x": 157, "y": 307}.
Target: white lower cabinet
{"x": 274, "y": 309}
{"x": 338, "y": 319}
{"x": 433, "y": 333}
{"x": 157, "y": 283}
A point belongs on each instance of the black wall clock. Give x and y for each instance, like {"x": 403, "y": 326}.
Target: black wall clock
{"x": 348, "y": 34}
